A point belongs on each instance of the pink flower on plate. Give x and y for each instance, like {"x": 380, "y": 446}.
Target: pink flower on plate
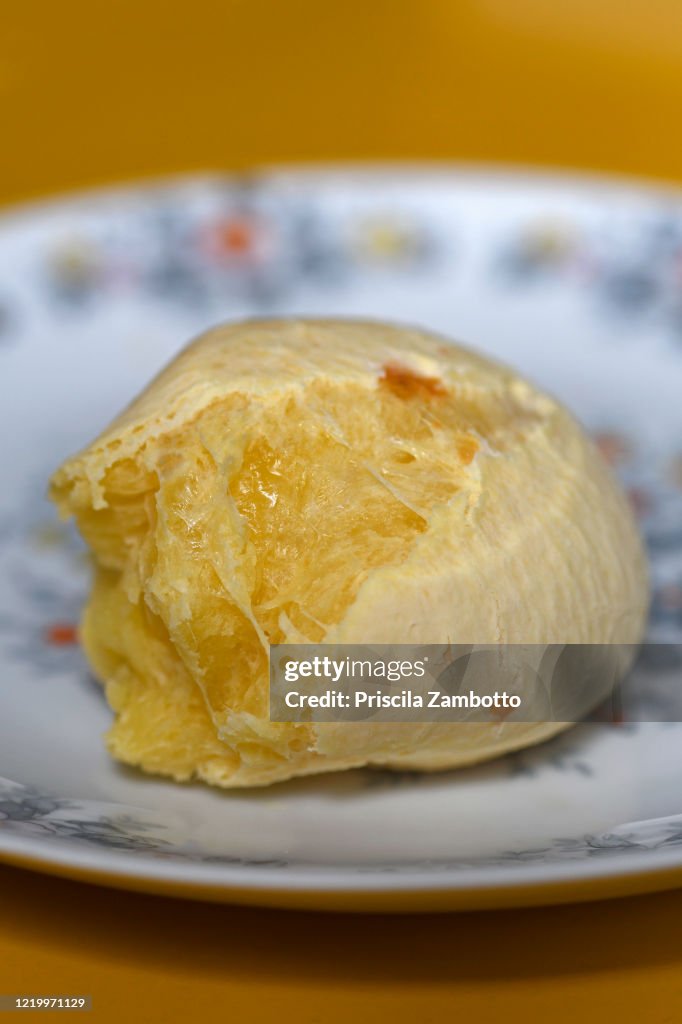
{"x": 615, "y": 448}
{"x": 239, "y": 238}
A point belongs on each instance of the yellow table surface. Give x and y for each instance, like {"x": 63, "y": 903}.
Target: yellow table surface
{"x": 92, "y": 92}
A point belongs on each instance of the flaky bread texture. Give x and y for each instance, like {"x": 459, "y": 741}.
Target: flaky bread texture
{"x": 334, "y": 481}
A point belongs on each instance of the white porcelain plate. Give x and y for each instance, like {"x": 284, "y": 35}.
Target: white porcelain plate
{"x": 577, "y": 283}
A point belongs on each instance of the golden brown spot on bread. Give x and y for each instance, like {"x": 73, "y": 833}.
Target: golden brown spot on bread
{"x": 467, "y": 446}
{"x": 406, "y": 383}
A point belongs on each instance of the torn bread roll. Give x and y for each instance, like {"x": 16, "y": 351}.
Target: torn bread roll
{"x": 295, "y": 481}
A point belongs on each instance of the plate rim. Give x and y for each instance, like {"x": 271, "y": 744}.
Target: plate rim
{"x": 561, "y": 886}
{"x": 548, "y": 176}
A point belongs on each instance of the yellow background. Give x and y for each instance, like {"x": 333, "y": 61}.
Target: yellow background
{"x": 94, "y": 91}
